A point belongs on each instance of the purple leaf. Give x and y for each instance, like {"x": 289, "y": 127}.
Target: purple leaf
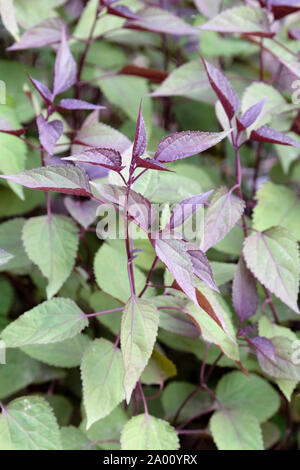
{"x": 264, "y": 347}
{"x": 250, "y": 116}
{"x": 40, "y": 35}
{"x": 244, "y": 291}
{"x": 140, "y": 138}
{"x": 42, "y": 89}
{"x": 187, "y": 143}
{"x": 281, "y": 8}
{"x": 267, "y": 134}
{"x": 161, "y": 21}
{"x": 122, "y": 11}
{"x": 224, "y": 91}
{"x": 108, "y": 158}
{"x": 173, "y": 253}
{"x": 185, "y": 209}
{"x": 70, "y": 103}
{"x": 201, "y": 266}
{"x": 139, "y": 208}
{"x": 84, "y": 212}
{"x": 62, "y": 179}
{"x": 65, "y": 69}
{"x": 49, "y": 133}
{"x": 151, "y": 164}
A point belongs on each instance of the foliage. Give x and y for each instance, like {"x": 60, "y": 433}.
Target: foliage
{"x": 150, "y": 222}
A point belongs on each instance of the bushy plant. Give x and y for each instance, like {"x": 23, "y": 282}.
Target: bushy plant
{"x": 149, "y": 301}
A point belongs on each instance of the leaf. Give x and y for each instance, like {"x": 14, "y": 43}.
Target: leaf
{"x": 276, "y": 205}
{"x": 242, "y": 431}
{"x": 28, "y": 423}
{"x": 84, "y": 212}
{"x": 42, "y": 34}
{"x": 67, "y": 353}
{"x": 52, "y": 245}
{"x": 173, "y": 253}
{"x": 187, "y": 143}
{"x": 49, "y": 133}
{"x": 281, "y": 8}
{"x": 241, "y": 19}
{"x": 224, "y": 91}
{"x": 5, "y": 257}
{"x": 65, "y": 69}
{"x": 71, "y": 103}
{"x": 251, "y": 394}
{"x": 42, "y": 89}
{"x": 223, "y": 213}
{"x": 250, "y": 115}
{"x": 50, "y": 322}
{"x": 144, "y": 432}
{"x": 140, "y": 138}
{"x": 201, "y": 267}
{"x": 188, "y": 80}
{"x": 74, "y": 439}
{"x": 174, "y": 320}
{"x": 267, "y": 134}
{"x": 63, "y": 179}
{"x": 212, "y": 332}
{"x": 175, "y": 393}
{"x": 273, "y": 258}
{"x": 161, "y": 21}
{"x": 110, "y": 267}
{"x": 102, "y": 373}
{"x": 244, "y": 291}
{"x": 11, "y": 242}
{"x": 158, "y": 370}
{"x": 108, "y": 158}
{"x": 138, "y": 334}
{"x": 186, "y": 208}
{"x": 150, "y": 164}
{"x": 8, "y": 17}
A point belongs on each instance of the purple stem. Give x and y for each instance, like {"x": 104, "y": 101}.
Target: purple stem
{"x": 105, "y": 312}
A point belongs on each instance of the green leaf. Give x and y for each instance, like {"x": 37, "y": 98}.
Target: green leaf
{"x": 174, "y": 395}
{"x": 273, "y": 258}
{"x": 50, "y": 322}
{"x": 4, "y": 257}
{"x": 188, "y": 80}
{"x": 52, "y": 245}
{"x": 138, "y": 334}
{"x": 10, "y": 241}
{"x": 144, "y": 432}
{"x": 67, "y": 353}
{"x": 74, "y": 439}
{"x": 223, "y": 272}
{"x": 277, "y": 205}
{"x": 110, "y": 266}
{"x": 236, "y": 430}
{"x": 28, "y": 423}
{"x": 240, "y": 19}
{"x": 158, "y": 369}
{"x": 252, "y": 394}
{"x": 102, "y": 373}
{"x": 287, "y": 155}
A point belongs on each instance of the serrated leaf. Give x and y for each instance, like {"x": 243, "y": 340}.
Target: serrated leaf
{"x": 108, "y": 158}
{"x": 66, "y": 179}
{"x": 267, "y": 134}
{"x": 138, "y": 335}
{"x": 65, "y": 69}
{"x": 50, "y": 322}
{"x": 144, "y": 432}
{"x": 28, "y": 423}
{"x": 102, "y": 373}
{"x": 49, "y": 132}
{"x": 187, "y": 143}
{"x": 252, "y": 394}
{"x": 241, "y": 19}
{"x": 140, "y": 138}
{"x": 52, "y": 245}
{"x": 74, "y": 104}
{"x": 41, "y": 34}
{"x": 223, "y": 213}
{"x": 67, "y": 353}
{"x": 277, "y": 205}
{"x": 11, "y": 242}
{"x": 243, "y": 431}
{"x": 273, "y": 257}
{"x": 84, "y": 212}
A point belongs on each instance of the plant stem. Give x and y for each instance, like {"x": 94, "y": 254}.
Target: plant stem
{"x": 149, "y": 277}
{"x": 105, "y": 312}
